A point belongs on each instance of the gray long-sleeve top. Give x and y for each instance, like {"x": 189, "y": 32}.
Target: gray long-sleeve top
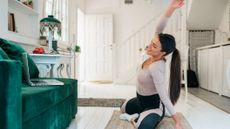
{"x": 152, "y": 81}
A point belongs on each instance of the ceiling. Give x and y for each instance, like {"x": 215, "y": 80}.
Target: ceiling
{"x": 206, "y": 14}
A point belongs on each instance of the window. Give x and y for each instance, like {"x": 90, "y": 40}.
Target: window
{"x": 58, "y": 8}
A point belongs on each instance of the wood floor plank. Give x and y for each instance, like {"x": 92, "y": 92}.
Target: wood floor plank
{"x": 86, "y": 118}
{"x": 105, "y": 118}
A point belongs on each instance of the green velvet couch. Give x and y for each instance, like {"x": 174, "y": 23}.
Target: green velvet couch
{"x": 26, "y": 107}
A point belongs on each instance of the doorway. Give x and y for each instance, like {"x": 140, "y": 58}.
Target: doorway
{"x": 96, "y": 57}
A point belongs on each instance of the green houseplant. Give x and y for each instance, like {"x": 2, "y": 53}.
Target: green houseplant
{"x": 28, "y": 3}
{"x": 77, "y": 48}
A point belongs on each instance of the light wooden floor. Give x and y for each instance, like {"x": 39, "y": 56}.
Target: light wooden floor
{"x": 200, "y": 114}
{"x": 213, "y": 98}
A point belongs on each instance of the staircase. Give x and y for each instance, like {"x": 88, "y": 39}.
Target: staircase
{"x": 129, "y": 50}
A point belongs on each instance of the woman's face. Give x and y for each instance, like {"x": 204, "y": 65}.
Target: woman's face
{"x": 154, "y": 48}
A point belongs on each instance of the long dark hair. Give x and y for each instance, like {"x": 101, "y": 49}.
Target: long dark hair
{"x": 175, "y": 77}
{"x": 169, "y": 45}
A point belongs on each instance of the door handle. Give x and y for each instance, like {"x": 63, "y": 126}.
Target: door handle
{"x": 110, "y": 46}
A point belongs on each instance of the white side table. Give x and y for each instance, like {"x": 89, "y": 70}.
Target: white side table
{"x": 54, "y": 60}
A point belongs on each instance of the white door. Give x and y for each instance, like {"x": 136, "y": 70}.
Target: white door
{"x": 98, "y": 49}
{"x": 214, "y": 70}
{"x": 226, "y": 86}
{"x": 203, "y": 68}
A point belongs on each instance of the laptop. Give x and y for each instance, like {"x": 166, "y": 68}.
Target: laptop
{"x": 37, "y": 82}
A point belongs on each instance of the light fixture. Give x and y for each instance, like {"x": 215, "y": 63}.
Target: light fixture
{"x": 128, "y": 1}
{"x": 50, "y": 27}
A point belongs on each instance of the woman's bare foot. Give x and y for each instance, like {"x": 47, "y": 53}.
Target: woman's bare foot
{"x": 128, "y": 117}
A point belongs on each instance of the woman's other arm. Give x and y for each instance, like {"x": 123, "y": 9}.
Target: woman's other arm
{"x": 157, "y": 71}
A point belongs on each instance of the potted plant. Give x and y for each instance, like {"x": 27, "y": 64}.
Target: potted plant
{"x": 77, "y": 49}
{"x": 74, "y": 48}
{"x": 30, "y": 3}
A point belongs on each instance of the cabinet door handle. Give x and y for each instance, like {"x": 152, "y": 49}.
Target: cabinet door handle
{"x": 228, "y": 74}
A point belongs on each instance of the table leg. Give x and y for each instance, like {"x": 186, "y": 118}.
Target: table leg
{"x": 59, "y": 69}
{"x": 68, "y": 70}
{"x": 51, "y": 70}
{"x": 44, "y": 70}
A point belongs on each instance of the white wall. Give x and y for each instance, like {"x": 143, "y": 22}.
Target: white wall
{"x": 80, "y": 42}
{"x": 81, "y": 4}
{"x": 26, "y": 25}
{"x": 127, "y": 18}
{"x": 72, "y": 21}
{"x": 3, "y": 15}
{"x": 74, "y": 6}
{"x": 223, "y": 32}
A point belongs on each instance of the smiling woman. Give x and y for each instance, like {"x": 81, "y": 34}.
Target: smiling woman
{"x": 152, "y": 97}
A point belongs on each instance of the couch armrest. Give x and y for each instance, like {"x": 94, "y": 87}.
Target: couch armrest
{"x": 10, "y": 94}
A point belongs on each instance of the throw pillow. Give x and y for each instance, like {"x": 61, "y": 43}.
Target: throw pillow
{"x": 14, "y": 51}
{"x": 3, "y": 54}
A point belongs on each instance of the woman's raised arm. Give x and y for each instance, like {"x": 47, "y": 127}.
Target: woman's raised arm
{"x": 167, "y": 14}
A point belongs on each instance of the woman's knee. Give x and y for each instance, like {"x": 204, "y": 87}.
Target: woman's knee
{"x": 150, "y": 121}
{"x": 131, "y": 106}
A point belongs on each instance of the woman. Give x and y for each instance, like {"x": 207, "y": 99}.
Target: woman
{"x": 148, "y": 108}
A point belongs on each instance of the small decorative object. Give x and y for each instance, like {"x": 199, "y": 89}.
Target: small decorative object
{"x": 39, "y": 50}
{"x": 128, "y": 1}
{"x": 228, "y": 39}
{"x": 11, "y": 22}
{"x": 140, "y": 49}
{"x": 50, "y": 27}
{"x": 28, "y": 3}
{"x": 54, "y": 45}
{"x": 24, "y": 2}
{"x": 43, "y": 41}
{"x": 77, "y": 48}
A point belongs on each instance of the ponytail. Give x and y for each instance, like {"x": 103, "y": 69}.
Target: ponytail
{"x": 175, "y": 77}
{"x": 168, "y": 44}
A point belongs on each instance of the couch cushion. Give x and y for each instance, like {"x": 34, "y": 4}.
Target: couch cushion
{"x": 1, "y": 58}
{"x": 14, "y": 51}
{"x": 3, "y": 54}
{"x": 36, "y": 100}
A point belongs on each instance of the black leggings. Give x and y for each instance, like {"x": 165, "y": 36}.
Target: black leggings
{"x": 145, "y": 106}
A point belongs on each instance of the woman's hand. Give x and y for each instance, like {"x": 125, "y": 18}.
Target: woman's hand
{"x": 177, "y": 3}
{"x": 177, "y": 121}
{"x": 178, "y": 125}
{"x": 173, "y": 6}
